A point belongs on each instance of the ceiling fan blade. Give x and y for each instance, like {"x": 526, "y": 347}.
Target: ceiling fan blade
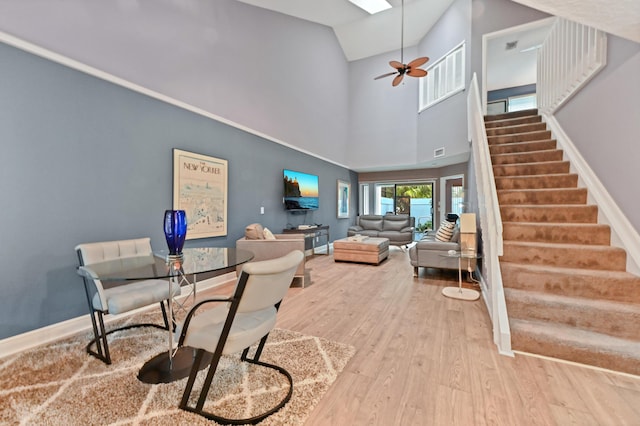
{"x": 397, "y": 65}
{"x": 411, "y": 68}
{"x": 385, "y": 75}
{"x": 416, "y": 72}
{"x": 417, "y": 62}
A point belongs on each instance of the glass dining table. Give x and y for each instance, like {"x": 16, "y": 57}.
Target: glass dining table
{"x": 175, "y": 363}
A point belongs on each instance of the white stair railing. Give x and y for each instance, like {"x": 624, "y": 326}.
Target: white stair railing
{"x": 570, "y": 56}
{"x": 490, "y": 221}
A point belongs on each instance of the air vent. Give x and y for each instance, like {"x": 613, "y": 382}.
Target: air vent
{"x": 439, "y": 152}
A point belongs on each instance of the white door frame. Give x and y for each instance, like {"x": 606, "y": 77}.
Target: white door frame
{"x": 486, "y": 39}
{"x": 443, "y": 193}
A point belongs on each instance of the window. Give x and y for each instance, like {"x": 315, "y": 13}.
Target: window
{"x": 457, "y": 199}
{"x": 445, "y": 78}
{"x": 364, "y": 198}
{"x": 519, "y": 103}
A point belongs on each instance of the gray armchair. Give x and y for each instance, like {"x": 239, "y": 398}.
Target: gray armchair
{"x": 116, "y": 298}
{"x": 265, "y": 249}
{"x": 431, "y": 253}
{"x": 234, "y": 325}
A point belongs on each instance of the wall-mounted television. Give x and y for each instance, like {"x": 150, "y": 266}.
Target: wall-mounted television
{"x": 300, "y": 191}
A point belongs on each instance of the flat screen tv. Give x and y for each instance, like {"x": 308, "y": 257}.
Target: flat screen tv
{"x": 300, "y": 191}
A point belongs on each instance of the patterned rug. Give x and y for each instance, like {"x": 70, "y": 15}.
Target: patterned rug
{"x": 59, "y": 384}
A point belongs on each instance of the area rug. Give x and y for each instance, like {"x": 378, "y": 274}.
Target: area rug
{"x": 59, "y": 384}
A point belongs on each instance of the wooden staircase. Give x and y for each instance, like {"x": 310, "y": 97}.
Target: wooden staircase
{"x": 567, "y": 290}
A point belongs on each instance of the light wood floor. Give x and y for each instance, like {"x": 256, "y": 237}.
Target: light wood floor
{"x": 423, "y": 359}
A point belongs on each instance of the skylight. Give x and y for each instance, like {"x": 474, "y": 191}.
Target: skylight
{"x": 372, "y": 6}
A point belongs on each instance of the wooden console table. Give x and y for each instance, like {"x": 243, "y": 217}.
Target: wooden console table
{"x": 313, "y": 237}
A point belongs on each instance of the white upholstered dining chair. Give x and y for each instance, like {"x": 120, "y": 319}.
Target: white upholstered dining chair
{"x": 235, "y": 324}
{"x": 123, "y": 296}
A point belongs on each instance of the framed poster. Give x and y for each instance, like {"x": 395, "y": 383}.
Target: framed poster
{"x": 200, "y": 189}
{"x": 344, "y": 193}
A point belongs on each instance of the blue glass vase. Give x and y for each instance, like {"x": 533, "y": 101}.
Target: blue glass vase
{"x": 175, "y": 230}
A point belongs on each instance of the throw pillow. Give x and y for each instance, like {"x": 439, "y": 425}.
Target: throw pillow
{"x": 268, "y": 235}
{"x": 455, "y": 238}
{"x": 445, "y": 232}
{"x": 254, "y": 232}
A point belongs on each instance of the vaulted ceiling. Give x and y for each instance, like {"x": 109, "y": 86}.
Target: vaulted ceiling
{"x": 362, "y": 35}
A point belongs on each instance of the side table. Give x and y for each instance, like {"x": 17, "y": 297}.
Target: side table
{"x": 459, "y": 292}
{"x": 312, "y": 236}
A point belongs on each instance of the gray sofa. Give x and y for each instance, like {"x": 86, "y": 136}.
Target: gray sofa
{"x": 431, "y": 253}
{"x": 276, "y": 246}
{"x": 398, "y": 228}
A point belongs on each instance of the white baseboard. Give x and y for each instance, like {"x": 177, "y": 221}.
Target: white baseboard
{"x": 502, "y": 336}
{"x": 41, "y": 336}
{"x": 623, "y": 234}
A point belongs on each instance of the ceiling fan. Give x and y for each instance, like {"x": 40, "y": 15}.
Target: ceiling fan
{"x": 410, "y": 69}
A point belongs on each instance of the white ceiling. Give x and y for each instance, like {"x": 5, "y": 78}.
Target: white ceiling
{"x": 618, "y": 17}
{"x": 362, "y": 35}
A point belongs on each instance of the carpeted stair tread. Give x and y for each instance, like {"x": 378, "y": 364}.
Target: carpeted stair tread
{"x": 515, "y": 147}
{"x": 567, "y": 290}
{"x": 543, "y": 196}
{"x": 511, "y": 115}
{"x": 520, "y": 137}
{"x": 560, "y": 180}
{"x": 568, "y": 213}
{"x": 513, "y": 128}
{"x": 527, "y": 169}
{"x": 616, "y": 319}
{"x": 527, "y": 157}
{"x": 603, "y": 257}
{"x": 568, "y": 233}
{"x": 572, "y": 344}
{"x": 620, "y": 286}
{"x": 512, "y": 121}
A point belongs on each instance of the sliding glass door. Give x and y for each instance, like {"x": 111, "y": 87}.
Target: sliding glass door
{"x": 414, "y": 199}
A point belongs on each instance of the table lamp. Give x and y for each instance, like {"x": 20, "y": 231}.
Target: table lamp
{"x": 468, "y": 234}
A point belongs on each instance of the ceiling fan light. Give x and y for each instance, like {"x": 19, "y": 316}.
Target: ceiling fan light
{"x": 372, "y": 6}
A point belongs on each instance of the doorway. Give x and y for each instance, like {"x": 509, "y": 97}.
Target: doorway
{"x": 509, "y": 65}
{"x": 452, "y": 195}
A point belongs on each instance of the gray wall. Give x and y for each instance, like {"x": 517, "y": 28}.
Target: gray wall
{"x": 85, "y": 160}
{"x": 279, "y": 75}
{"x": 382, "y": 128}
{"x": 603, "y": 121}
{"x": 494, "y": 95}
{"x": 445, "y": 123}
{"x": 385, "y": 129}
